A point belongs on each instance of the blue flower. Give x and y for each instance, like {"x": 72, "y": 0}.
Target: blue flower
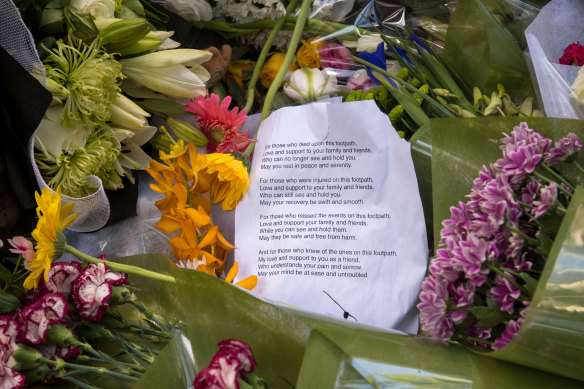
{"x": 377, "y": 59}
{"x": 403, "y": 55}
{"x": 420, "y": 43}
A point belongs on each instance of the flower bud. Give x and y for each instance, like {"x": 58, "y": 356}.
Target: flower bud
{"x": 493, "y": 105}
{"x": 26, "y": 357}
{"x": 308, "y": 84}
{"x": 187, "y": 132}
{"x": 477, "y": 96}
{"x": 59, "y": 335}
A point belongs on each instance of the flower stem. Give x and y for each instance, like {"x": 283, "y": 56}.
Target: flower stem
{"x": 506, "y": 276}
{"x": 264, "y": 54}
{"x": 550, "y": 181}
{"x": 475, "y": 339}
{"x": 90, "y": 369}
{"x": 129, "y": 269}
{"x": 17, "y": 264}
{"x": 578, "y": 166}
{"x": 290, "y": 55}
{"x": 528, "y": 238}
{"x": 79, "y": 384}
{"x": 557, "y": 175}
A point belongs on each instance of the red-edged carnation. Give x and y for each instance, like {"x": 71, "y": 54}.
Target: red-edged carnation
{"x": 34, "y": 319}
{"x": 219, "y": 124}
{"x": 61, "y": 276}
{"x": 93, "y": 288}
{"x": 573, "y": 55}
{"x": 8, "y": 332}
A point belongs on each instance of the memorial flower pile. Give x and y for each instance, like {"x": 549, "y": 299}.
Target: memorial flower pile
{"x": 495, "y": 245}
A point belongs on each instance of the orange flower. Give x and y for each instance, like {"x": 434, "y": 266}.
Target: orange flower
{"x": 308, "y": 54}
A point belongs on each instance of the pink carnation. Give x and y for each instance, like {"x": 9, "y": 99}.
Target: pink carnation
{"x": 61, "y": 276}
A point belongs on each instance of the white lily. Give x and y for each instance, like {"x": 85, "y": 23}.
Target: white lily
{"x": 131, "y": 156}
{"x": 54, "y": 139}
{"x": 309, "y": 84}
{"x": 176, "y": 73}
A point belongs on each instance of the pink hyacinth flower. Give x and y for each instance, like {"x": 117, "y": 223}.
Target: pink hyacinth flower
{"x": 23, "y": 247}
{"x": 219, "y": 124}
{"x": 92, "y": 289}
{"x": 9, "y": 379}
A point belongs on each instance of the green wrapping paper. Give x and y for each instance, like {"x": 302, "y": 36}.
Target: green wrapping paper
{"x": 552, "y": 336}
{"x": 481, "y": 52}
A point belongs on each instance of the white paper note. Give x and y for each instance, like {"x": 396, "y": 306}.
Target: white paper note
{"x": 332, "y": 221}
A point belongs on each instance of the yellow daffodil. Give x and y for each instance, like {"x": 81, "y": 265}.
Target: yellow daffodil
{"x": 308, "y": 54}
{"x": 271, "y": 68}
{"x": 229, "y": 179}
{"x": 50, "y": 243}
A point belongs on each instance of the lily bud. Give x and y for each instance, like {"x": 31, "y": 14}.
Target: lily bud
{"x": 477, "y": 96}
{"x": 187, "y": 132}
{"x": 527, "y": 106}
{"x": 128, "y": 114}
{"x": 176, "y": 73}
{"x": 309, "y": 84}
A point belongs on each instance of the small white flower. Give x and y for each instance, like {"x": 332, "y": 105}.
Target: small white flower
{"x": 99, "y": 9}
{"x": 578, "y": 87}
{"x": 309, "y": 84}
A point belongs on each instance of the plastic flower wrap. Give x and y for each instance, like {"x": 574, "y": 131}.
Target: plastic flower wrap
{"x": 494, "y": 247}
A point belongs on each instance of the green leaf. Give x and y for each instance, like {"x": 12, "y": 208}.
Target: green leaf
{"x": 8, "y": 302}
{"x": 490, "y": 315}
{"x": 153, "y": 13}
{"x": 81, "y": 24}
{"x": 131, "y": 9}
{"x": 162, "y": 106}
{"x": 481, "y": 52}
{"x": 5, "y": 274}
{"x": 530, "y": 282}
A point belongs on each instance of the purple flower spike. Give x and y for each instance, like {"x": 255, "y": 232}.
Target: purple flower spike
{"x": 504, "y": 293}
{"x": 548, "y": 197}
{"x": 563, "y": 149}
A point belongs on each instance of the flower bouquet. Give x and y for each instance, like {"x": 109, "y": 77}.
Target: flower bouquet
{"x": 553, "y": 49}
{"x": 523, "y": 211}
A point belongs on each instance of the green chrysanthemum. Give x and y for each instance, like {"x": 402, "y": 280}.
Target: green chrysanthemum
{"x": 98, "y": 157}
{"x": 92, "y": 78}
